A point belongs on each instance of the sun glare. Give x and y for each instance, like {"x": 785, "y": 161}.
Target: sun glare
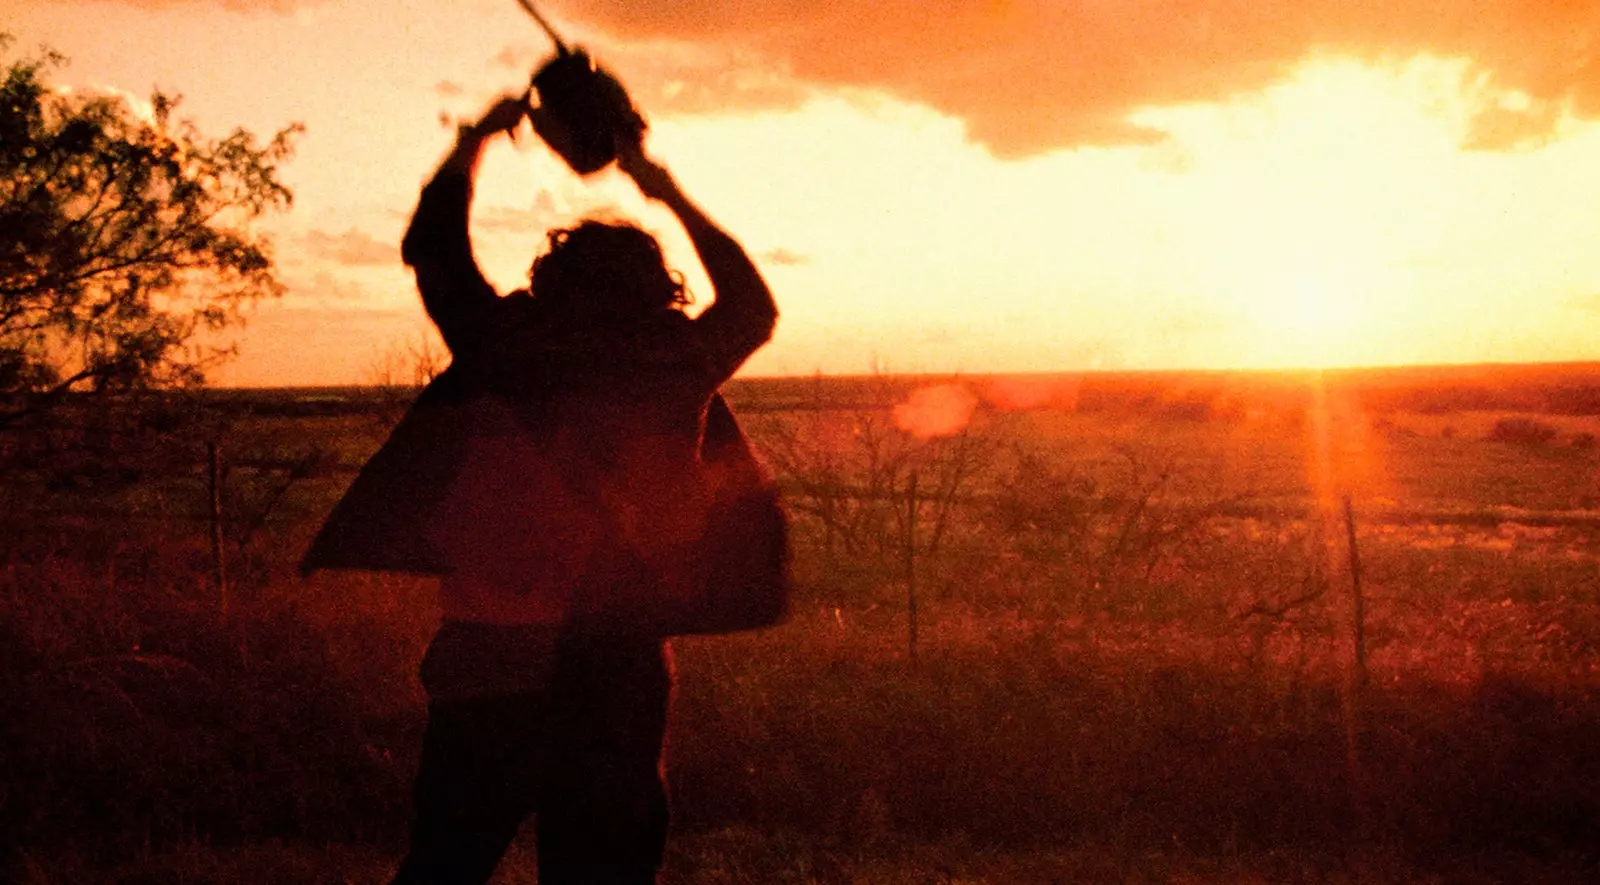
{"x": 1310, "y": 320}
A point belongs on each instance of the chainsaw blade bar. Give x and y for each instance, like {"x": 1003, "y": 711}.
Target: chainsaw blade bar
{"x": 556, "y": 38}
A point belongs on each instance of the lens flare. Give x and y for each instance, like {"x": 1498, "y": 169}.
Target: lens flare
{"x": 936, "y": 410}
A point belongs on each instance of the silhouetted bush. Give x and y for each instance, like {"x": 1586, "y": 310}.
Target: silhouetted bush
{"x": 132, "y": 715}
{"x": 1523, "y": 431}
{"x": 1579, "y": 399}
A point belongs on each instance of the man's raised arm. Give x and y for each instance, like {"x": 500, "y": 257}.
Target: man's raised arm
{"x": 744, "y": 314}
{"x": 436, "y": 245}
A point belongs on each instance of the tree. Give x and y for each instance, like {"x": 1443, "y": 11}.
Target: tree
{"x": 124, "y": 238}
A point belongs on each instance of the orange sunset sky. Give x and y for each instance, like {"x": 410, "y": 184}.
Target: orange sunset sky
{"x": 986, "y": 186}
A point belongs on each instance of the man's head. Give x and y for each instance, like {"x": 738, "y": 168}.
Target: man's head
{"x": 601, "y": 269}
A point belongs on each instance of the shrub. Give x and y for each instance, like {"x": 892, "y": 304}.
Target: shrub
{"x": 132, "y": 719}
{"x": 1523, "y": 432}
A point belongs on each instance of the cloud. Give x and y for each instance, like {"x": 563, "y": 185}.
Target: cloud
{"x": 518, "y": 57}
{"x": 323, "y": 289}
{"x": 680, "y": 77}
{"x": 353, "y": 248}
{"x": 276, "y": 7}
{"x": 1509, "y": 126}
{"x": 1028, "y": 76}
{"x": 141, "y": 108}
{"x": 782, "y": 256}
{"x": 545, "y": 213}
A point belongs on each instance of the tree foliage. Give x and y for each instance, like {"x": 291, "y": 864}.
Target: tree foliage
{"x": 125, "y": 237}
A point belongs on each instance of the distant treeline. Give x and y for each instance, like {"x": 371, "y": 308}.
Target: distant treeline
{"x": 1554, "y": 389}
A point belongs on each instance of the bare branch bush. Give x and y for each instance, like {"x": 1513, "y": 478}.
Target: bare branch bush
{"x": 1072, "y": 541}
{"x": 848, "y": 474}
{"x": 401, "y": 371}
{"x": 1002, "y": 519}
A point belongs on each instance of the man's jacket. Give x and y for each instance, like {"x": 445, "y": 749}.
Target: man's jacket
{"x": 598, "y": 456}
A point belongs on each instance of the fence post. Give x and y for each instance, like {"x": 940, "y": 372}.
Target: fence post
{"x": 911, "y": 566}
{"x": 1356, "y": 688}
{"x": 1358, "y": 601}
{"x": 218, "y": 554}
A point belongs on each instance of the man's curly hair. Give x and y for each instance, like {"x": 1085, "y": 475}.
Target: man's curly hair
{"x": 608, "y": 269}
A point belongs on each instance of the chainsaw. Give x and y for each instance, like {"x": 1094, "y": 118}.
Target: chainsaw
{"x": 583, "y": 111}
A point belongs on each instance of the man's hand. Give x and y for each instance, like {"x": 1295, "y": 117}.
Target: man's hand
{"x": 653, "y": 179}
{"x": 504, "y": 115}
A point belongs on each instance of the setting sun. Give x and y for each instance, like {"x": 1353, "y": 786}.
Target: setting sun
{"x": 1317, "y": 320}
{"x": 1311, "y": 320}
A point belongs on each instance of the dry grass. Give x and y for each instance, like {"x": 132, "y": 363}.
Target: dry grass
{"x": 1131, "y": 667}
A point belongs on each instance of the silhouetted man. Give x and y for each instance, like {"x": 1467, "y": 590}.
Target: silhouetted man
{"x": 549, "y": 474}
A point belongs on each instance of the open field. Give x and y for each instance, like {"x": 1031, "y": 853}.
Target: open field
{"x": 1135, "y": 654}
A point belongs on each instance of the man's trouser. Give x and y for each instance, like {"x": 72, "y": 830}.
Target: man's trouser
{"x": 583, "y": 756}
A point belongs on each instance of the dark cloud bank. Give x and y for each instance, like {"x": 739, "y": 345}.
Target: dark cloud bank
{"x": 1032, "y": 75}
